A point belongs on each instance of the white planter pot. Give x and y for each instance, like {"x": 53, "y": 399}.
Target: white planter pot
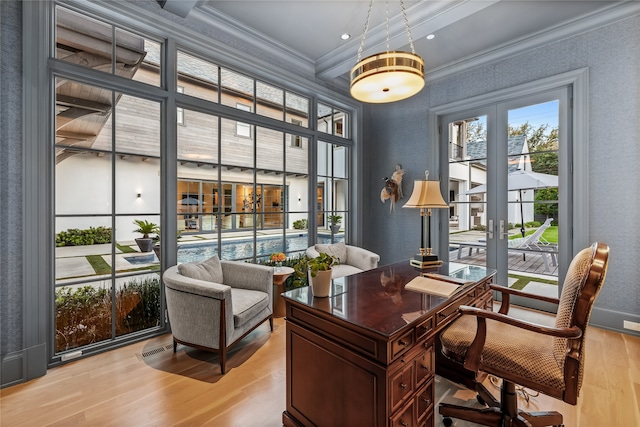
{"x": 321, "y": 284}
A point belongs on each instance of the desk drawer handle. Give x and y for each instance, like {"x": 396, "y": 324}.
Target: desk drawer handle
{"x": 427, "y": 401}
{"x": 402, "y": 343}
{"x": 403, "y": 386}
{"x": 424, "y": 366}
{"x": 403, "y": 424}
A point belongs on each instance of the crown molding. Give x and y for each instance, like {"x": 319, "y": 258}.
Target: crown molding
{"x": 602, "y": 17}
{"x": 425, "y": 19}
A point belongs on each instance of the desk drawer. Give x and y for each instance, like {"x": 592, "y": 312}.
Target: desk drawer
{"x": 424, "y": 402}
{"x": 423, "y": 329}
{"x": 402, "y": 344}
{"x": 401, "y": 386}
{"x": 424, "y": 365}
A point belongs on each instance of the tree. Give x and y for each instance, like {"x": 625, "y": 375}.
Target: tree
{"x": 475, "y": 131}
{"x": 548, "y": 209}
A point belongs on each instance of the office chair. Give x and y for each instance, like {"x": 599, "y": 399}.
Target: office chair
{"x": 547, "y": 359}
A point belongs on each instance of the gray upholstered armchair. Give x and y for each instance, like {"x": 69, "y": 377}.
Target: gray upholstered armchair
{"x": 213, "y": 304}
{"x": 353, "y": 259}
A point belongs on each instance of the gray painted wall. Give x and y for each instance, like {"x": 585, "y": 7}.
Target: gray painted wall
{"x": 11, "y": 284}
{"x": 398, "y": 134}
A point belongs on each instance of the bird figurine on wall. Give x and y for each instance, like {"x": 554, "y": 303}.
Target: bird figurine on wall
{"x": 392, "y": 187}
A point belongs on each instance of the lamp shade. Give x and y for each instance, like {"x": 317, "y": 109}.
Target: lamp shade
{"x": 387, "y": 77}
{"x": 426, "y": 195}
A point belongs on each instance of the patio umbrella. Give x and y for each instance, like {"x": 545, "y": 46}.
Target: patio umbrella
{"x": 189, "y": 201}
{"x": 520, "y": 180}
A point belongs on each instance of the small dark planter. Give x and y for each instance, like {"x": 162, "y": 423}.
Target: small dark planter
{"x": 145, "y": 245}
{"x": 156, "y": 249}
{"x": 335, "y": 228}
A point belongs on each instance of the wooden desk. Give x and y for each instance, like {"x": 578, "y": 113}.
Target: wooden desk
{"x": 365, "y": 356}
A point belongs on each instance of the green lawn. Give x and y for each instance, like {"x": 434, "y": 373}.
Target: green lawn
{"x": 550, "y": 234}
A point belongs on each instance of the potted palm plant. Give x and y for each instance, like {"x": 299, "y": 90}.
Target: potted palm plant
{"x": 145, "y": 243}
{"x": 319, "y": 273}
{"x": 335, "y": 223}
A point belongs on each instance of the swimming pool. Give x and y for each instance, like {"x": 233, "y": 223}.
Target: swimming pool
{"x": 243, "y": 248}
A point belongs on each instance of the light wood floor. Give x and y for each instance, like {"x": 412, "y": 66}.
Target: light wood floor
{"x": 122, "y": 388}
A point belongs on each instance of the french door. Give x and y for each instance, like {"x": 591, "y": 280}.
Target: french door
{"x": 507, "y": 163}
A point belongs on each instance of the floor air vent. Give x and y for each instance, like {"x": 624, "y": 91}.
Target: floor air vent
{"x": 155, "y": 351}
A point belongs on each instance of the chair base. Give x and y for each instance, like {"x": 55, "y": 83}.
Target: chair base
{"x": 507, "y": 414}
{"x": 222, "y": 351}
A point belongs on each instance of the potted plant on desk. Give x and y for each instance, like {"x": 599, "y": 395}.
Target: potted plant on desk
{"x": 319, "y": 273}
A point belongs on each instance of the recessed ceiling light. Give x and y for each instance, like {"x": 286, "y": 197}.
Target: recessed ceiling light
{"x": 430, "y": 36}
{"x": 345, "y": 36}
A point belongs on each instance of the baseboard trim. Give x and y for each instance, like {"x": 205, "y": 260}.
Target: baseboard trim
{"x": 24, "y": 365}
{"x": 613, "y": 320}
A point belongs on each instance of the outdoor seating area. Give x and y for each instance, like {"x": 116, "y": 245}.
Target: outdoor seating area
{"x": 533, "y": 244}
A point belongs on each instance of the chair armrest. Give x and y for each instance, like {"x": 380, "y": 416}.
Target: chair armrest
{"x": 178, "y": 282}
{"x": 244, "y": 275}
{"x": 311, "y": 252}
{"x": 572, "y": 332}
{"x": 473, "y": 356}
{"x": 506, "y": 292}
{"x": 362, "y": 258}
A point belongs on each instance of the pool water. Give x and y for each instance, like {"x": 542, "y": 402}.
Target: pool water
{"x": 243, "y": 248}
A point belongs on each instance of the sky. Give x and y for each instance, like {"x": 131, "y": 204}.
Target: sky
{"x": 536, "y": 115}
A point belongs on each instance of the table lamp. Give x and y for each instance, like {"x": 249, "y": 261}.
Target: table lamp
{"x": 426, "y": 196}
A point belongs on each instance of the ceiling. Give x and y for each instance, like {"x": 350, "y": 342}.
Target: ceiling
{"x": 463, "y": 29}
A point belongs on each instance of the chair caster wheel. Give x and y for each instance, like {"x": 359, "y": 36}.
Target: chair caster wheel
{"x": 448, "y": 422}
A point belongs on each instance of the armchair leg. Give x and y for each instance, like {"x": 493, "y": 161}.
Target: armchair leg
{"x": 223, "y": 360}
{"x": 271, "y": 323}
{"x": 175, "y": 345}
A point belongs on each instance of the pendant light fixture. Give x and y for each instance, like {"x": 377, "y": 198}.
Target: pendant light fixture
{"x": 389, "y": 76}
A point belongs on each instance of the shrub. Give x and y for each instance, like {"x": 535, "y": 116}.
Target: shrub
{"x": 300, "y": 224}
{"x": 90, "y": 236}
{"x": 83, "y": 315}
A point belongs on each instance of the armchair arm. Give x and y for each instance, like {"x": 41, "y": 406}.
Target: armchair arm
{"x": 248, "y": 276}
{"x": 362, "y": 258}
{"x": 178, "y": 282}
{"x": 474, "y": 354}
{"x": 506, "y": 292}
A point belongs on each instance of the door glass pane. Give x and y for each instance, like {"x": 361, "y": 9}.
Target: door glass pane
{"x": 533, "y": 198}
{"x": 467, "y": 190}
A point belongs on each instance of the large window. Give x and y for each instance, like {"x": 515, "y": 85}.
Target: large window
{"x": 238, "y": 184}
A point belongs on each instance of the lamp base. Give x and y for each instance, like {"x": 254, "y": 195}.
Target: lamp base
{"x": 422, "y": 260}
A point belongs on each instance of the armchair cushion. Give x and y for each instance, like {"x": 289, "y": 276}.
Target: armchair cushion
{"x": 247, "y": 304}
{"x": 209, "y": 270}
{"x": 338, "y": 250}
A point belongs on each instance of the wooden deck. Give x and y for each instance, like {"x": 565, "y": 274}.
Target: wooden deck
{"x": 529, "y": 263}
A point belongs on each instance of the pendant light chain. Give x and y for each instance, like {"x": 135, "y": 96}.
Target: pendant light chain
{"x": 386, "y": 13}
{"x": 406, "y": 27}
{"x": 364, "y": 32}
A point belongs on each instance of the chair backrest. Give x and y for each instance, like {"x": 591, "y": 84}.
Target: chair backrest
{"x": 533, "y": 238}
{"x": 581, "y": 286}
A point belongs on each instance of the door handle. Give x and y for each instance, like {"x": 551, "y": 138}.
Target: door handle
{"x": 503, "y": 234}
{"x": 489, "y": 231}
